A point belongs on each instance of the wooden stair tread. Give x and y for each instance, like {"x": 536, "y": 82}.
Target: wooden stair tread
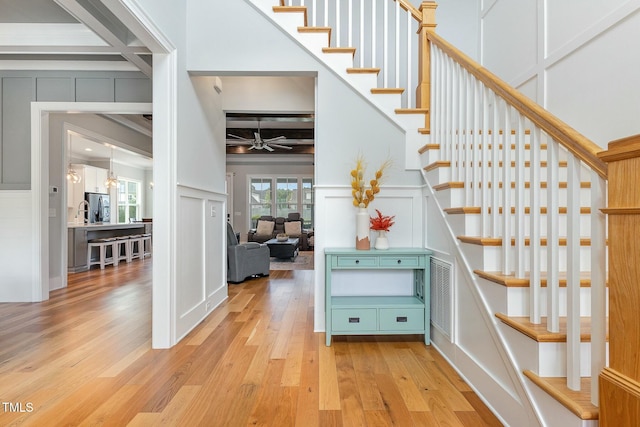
{"x": 510, "y": 281}
{"x": 585, "y": 210}
{"x": 411, "y": 110}
{"x": 578, "y": 402}
{"x": 363, "y": 70}
{"x": 350, "y": 50}
{"x": 294, "y": 9}
{"x": 317, "y": 30}
{"x": 424, "y": 131}
{"x": 539, "y": 332}
{"x": 428, "y": 147}
{"x": 497, "y": 241}
{"x": 388, "y": 90}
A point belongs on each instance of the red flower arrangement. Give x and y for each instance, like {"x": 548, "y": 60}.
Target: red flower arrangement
{"x": 381, "y": 222}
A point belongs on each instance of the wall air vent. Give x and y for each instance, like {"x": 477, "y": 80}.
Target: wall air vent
{"x": 441, "y": 290}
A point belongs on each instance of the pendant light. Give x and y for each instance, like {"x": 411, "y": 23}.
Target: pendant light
{"x": 73, "y": 176}
{"x": 111, "y": 181}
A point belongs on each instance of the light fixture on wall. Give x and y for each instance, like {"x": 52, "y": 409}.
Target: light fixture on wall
{"x": 111, "y": 181}
{"x": 73, "y": 176}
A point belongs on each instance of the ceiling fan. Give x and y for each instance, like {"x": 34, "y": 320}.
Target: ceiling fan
{"x": 257, "y": 143}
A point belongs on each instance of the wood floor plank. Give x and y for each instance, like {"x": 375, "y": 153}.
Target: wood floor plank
{"x": 83, "y": 358}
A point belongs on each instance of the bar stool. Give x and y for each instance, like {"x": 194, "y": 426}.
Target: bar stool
{"x": 146, "y": 245}
{"x": 136, "y": 246}
{"x": 102, "y": 245}
{"x": 122, "y": 242}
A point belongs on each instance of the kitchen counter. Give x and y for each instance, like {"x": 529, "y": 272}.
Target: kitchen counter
{"x": 80, "y": 234}
{"x": 107, "y": 226}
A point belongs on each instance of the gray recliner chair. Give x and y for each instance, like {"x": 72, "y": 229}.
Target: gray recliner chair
{"x": 246, "y": 259}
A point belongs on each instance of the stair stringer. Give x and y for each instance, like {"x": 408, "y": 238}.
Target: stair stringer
{"x": 410, "y": 125}
{"x": 518, "y": 409}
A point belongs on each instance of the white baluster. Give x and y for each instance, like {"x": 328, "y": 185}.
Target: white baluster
{"x": 338, "y": 29}
{"x": 478, "y": 162}
{"x": 484, "y": 212}
{"x": 466, "y": 137}
{"x": 326, "y": 13}
{"x": 506, "y": 193}
{"x": 534, "y": 254}
{"x": 519, "y": 197}
{"x": 397, "y": 47}
{"x": 573, "y": 273}
{"x": 385, "y": 44}
{"x": 361, "y": 41}
{"x": 350, "y": 23}
{"x": 495, "y": 159}
{"x": 374, "y": 33}
{"x": 409, "y": 89}
{"x": 314, "y": 13}
{"x": 553, "y": 285}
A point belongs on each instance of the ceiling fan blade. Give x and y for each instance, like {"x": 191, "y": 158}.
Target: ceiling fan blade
{"x": 239, "y": 143}
{"x": 277, "y": 138}
{"x": 238, "y": 137}
{"x": 286, "y": 147}
{"x": 252, "y": 147}
{"x": 256, "y": 135}
{"x": 266, "y": 147}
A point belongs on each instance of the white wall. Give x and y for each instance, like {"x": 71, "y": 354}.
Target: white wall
{"x": 17, "y": 236}
{"x": 575, "y": 58}
{"x": 346, "y": 124}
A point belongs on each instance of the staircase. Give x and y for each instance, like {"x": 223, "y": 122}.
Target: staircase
{"x": 518, "y": 196}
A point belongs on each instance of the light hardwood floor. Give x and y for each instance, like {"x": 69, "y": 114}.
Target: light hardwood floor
{"x": 84, "y": 358}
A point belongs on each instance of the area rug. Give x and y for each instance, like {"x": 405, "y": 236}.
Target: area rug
{"x": 304, "y": 261}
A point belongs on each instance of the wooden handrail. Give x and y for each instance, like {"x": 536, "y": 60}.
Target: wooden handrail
{"x": 417, "y": 15}
{"x": 582, "y": 147}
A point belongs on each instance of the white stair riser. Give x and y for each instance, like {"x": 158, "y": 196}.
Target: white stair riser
{"x": 314, "y": 42}
{"x": 517, "y": 301}
{"x": 289, "y": 21}
{"x": 545, "y": 359}
{"x": 445, "y": 174}
{"x": 387, "y": 102}
{"x": 489, "y": 258}
{"x": 470, "y": 224}
{"x": 457, "y": 197}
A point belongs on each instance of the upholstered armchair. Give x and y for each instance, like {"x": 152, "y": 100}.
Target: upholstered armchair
{"x": 246, "y": 259}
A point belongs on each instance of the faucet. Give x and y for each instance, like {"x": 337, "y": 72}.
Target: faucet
{"x": 84, "y": 204}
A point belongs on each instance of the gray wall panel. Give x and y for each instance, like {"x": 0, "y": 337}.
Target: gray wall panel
{"x": 94, "y": 90}
{"x": 133, "y": 90}
{"x": 55, "y": 89}
{"x": 18, "y": 92}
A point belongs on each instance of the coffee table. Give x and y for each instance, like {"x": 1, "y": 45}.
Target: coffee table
{"x": 285, "y": 249}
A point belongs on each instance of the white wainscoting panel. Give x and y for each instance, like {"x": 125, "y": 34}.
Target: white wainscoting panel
{"x": 201, "y": 273}
{"x": 16, "y": 266}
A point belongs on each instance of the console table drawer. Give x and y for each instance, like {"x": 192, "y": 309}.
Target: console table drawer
{"x": 401, "y": 261}
{"x": 354, "y": 319}
{"x": 359, "y": 262}
{"x": 401, "y": 319}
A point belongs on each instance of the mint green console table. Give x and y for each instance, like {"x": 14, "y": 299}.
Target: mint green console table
{"x": 378, "y": 314}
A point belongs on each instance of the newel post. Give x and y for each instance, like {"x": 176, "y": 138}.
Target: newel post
{"x": 619, "y": 383}
{"x": 428, "y": 23}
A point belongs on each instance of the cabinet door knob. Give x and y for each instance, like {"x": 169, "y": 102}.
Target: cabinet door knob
{"x": 399, "y": 261}
{"x": 357, "y": 261}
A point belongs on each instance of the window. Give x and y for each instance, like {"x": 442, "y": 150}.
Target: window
{"x": 292, "y": 194}
{"x": 259, "y": 199}
{"x": 286, "y": 196}
{"x": 129, "y": 198}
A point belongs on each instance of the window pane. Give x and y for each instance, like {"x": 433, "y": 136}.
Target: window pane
{"x": 121, "y": 214}
{"x": 133, "y": 212}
